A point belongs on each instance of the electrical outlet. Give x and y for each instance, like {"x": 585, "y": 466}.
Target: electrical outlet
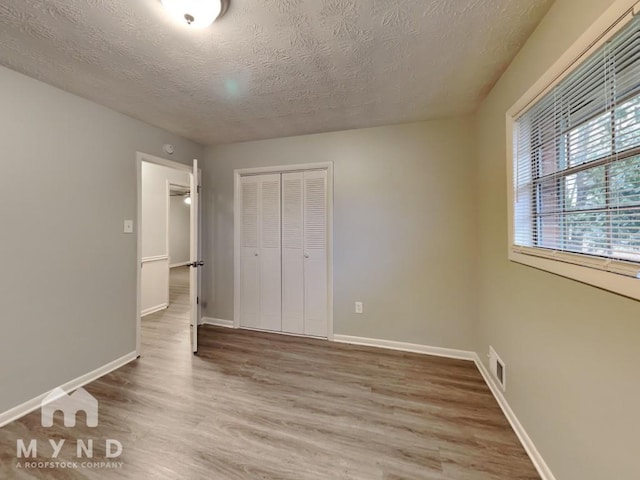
{"x": 358, "y": 307}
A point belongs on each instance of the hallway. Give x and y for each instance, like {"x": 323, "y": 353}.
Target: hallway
{"x": 167, "y": 331}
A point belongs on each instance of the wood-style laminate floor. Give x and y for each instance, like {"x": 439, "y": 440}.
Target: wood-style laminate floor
{"x": 265, "y": 406}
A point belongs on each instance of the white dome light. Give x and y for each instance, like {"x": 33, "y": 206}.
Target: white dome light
{"x": 187, "y": 200}
{"x": 196, "y": 13}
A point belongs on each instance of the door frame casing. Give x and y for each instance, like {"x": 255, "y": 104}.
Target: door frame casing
{"x": 144, "y": 157}
{"x": 243, "y": 172}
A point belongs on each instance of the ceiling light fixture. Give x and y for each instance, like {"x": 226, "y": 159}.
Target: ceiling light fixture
{"x": 196, "y": 13}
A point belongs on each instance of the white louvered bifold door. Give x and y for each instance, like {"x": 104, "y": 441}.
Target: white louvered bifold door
{"x": 315, "y": 252}
{"x": 284, "y": 252}
{"x": 270, "y": 253}
{"x": 249, "y": 254}
{"x": 292, "y": 253}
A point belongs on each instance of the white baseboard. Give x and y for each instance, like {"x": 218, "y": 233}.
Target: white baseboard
{"x": 34, "y": 404}
{"x": 181, "y": 264}
{"x": 406, "y": 347}
{"x": 149, "y": 311}
{"x": 538, "y": 462}
{"x": 218, "y": 322}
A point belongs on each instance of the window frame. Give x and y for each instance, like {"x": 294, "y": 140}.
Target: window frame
{"x": 570, "y": 265}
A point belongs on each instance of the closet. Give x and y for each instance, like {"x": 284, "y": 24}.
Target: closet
{"x": 283, "y": 252}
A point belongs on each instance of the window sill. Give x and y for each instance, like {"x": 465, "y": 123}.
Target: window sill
{"x": 613, "y": 282}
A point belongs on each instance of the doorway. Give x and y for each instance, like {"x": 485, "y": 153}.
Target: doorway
{"x": 168, "y": 259}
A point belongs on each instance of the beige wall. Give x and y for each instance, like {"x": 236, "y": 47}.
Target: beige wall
{"x": 403, "y": 237}
{"x": 68, "y": 276}
{"x": 572, "y": 351}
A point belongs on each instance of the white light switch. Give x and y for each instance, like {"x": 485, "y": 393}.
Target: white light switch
{"x": 128, "y": 226}
{"x": 358, "y": 307}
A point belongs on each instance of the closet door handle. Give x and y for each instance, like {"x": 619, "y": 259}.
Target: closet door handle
{"x": 306, "y": 255}
{"x": 255, "y": 254}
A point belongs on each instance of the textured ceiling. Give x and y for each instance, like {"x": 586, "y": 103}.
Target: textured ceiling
{"x": 271, "y": 68}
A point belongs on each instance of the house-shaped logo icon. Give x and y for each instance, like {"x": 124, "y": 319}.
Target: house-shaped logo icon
{"x": 69, "y": 405}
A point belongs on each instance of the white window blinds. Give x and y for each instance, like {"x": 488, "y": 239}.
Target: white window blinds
{"x": 577, "y": 163}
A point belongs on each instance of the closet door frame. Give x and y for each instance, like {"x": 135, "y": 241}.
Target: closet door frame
{"x": 237, "y": 212}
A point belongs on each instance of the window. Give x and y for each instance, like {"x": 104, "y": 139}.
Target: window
{"x": 576, "y": 163}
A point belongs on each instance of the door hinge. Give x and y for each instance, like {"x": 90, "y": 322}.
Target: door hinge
{"x": 199, "y": 186}
{"x": 197, "y": 300}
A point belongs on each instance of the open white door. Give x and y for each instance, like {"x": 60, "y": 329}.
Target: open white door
{"x": 196, "y": 263}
